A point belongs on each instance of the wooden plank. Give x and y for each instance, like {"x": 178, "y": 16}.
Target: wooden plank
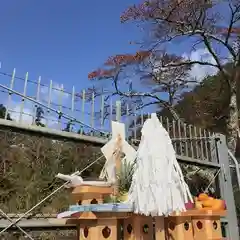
{"x": 202, "y": 212}
{"x": 100, "y": 215}
{"x": 160, "y": 232}
{"x": 84, "y": 215}
{"x": 106, "y": 207}
{"x": 82, "y": 189}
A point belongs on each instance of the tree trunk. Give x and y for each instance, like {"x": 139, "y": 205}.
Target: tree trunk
{"x": 233, "y": 123}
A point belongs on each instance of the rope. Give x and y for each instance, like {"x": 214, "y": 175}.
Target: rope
{"x": 212, "y": 180}
{"x": 35, "y": 82}
{"x": 10, "y": 220}
{"x": 50, "y": 195}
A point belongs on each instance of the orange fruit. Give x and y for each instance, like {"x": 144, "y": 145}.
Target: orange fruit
{"x": 206, "y": 208}
{"x": 203, "y": 197}
{"x": 208, "y": 203}
{"x": 198, "y": 205}
{"x": 218, "y": 204}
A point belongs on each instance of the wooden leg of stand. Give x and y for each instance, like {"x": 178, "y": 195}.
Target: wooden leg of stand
{"x": 85, "y": 232}
{"x": 179, "y": 228}
{"x": 104, "y": 229}
{"x": 138, "y": 228}
{"x": 207, "y": 227}
{"x": 108, "y": 229}
{"x": 78, "y": 232}
{"x": 159, "y": 228}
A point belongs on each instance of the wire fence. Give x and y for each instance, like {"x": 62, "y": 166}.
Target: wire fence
{"x": 188, "y": 140}
{"x": 32, "y": 102}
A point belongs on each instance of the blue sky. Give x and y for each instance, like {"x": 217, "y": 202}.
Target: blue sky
{"x": 61, "y": 40}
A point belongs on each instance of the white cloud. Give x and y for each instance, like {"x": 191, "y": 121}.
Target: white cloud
{"x": 28, "y": 108}
{"x": 28, "y": 113}
{"x": 57, "y": 94}
{"x": 27, "y": 116}
{"x": 199, "y": 72}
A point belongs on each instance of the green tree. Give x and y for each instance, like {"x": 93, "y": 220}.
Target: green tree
{"x": 68, "y": 127}
{"x": 39, "y": 117}
{"x": 206, "y": 106}
{"x": 3, "y": 111}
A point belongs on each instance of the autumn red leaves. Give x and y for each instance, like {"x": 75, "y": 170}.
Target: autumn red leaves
{"x": 118, "y": 61}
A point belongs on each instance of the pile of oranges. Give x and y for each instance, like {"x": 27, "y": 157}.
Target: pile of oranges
{"x": 205, "y": 202}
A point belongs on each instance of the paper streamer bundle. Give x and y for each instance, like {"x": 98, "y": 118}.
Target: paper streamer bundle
{"x": 158, "y": 187}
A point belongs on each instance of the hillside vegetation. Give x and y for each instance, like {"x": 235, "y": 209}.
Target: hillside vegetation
{"x": 28, "y": 165}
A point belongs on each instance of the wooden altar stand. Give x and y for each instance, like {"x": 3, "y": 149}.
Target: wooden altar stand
{"x": 116, "y": 221}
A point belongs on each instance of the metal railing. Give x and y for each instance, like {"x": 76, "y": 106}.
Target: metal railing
{"x": 54, "y": 106}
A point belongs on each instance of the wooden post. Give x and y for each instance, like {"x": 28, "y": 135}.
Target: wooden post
{"x": 179, "y": 227}
{"x": 87, "y": 232}
{"x": 207, "y": 225}
{"x": 138, "y": 227}
{"x": 118, "y": 154}
{"x": 104, "y": 229}
{"x": 107, "y": 229}
{"x": 78, "y": 232}
{"x": 160, "y": 233}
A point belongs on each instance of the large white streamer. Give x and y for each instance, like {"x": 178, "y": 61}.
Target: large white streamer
{"x": 158, "y": 187}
